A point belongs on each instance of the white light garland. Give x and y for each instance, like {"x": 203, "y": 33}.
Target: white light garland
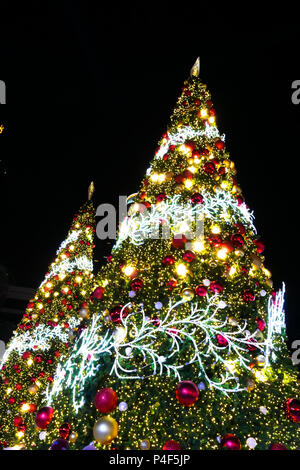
{"x": 74, "y": 235}
{"x": 172, "y": 212}
{"x": 84, "y": 361}
{"x": 184, "y": 134}
{"x": 81, "y": 263}
{"x": 276, "y": 323}
{"x": 39, "y": 339}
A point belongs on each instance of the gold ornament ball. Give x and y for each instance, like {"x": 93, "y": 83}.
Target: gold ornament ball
{"x": 250, "y": 385}
{"x": 260, "y": 360}
{"x": 33, "y": 389}
{"x": 84, "y": 313}
{"x": 73, "y": 436}
{"x": 105, "y": 430}
{"x": 256, "y": 261}
{"x": 187, "y": 294}
{"x": 145, "y": 444}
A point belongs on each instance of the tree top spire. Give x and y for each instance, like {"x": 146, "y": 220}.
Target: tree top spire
{"x": 195, "y": 70}
{"x": 91, "y": 190}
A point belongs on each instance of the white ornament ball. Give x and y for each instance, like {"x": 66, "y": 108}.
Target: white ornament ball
{"x": 201, "y": 386}
{"x": 123, "y": 406}
{"x": 251, "y": 442}
{"x": 206, "y": 282}
{"x": 263, "y": 293}
{"x": 158, "y": 305}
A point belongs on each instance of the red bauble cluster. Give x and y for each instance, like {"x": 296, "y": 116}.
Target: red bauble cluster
{"x": 187, "y": 393}
{"x": 43, "y": 417}
{"x": 261, "y": 324}
{"x": 160, "y": 197}
{"x": 292, "y": 407}
{"x": 106, "y": 400}
{"x": 116, "y": 313}
{"x": 137, "y": 284}
{"x": 171, "y": 284}
{"x": 260, "y": 247}
{"x": 230, "y": 442}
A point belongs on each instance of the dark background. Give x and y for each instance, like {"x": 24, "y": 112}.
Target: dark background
{"x": 89, "y": 93}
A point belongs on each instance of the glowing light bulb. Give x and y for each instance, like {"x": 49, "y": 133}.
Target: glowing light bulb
{"x": 224, "y": 185}
{"x": 25, "y": 407}
{"x": 192, "y": 169}
{"x": 211, "y": 119}
{"x": 71, "y": 247}
{"x": 78, "y": 279}
{"x": 29, "y": 362}
{"x": 232, "y": 271}
{"x": 154, "y": 177}
{"x": 260, "y": 376}
{"x": 48, "y": 285}
{"x": 20, "y": 434}
{"x": 128, "y": 270}
{"x": 198, "y": 246}
{"x": 184, "y": 227}
{"x": 40, "y": 306}
{"x": 8, "y": 391}
{"x": 66, "y": 289}
{"x": 188, "y": 184}
{"x": 161, "y": 178}
{"x": 231, "y": 366}
{"x": 203, "y": 112}
{"x": 222, "y": 253}
{"x": 120, "y": 334}
{"x": 181, "y": 270}
{"x": 62, "y": 276}
{"x": 215, "y": 229}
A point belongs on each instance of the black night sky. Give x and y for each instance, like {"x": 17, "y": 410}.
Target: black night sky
{"x": 89, "y": 93}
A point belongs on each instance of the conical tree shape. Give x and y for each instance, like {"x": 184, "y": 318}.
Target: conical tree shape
{"x": 191, "y": 352}
{"x": 48, "y": 326}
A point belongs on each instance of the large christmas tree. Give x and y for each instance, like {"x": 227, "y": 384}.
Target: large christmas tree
{"x": 47, "y": 329}
{"x": 184, "y": 347}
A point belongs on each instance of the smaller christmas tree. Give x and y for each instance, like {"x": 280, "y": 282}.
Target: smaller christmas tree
{"x": 47, "y": 328}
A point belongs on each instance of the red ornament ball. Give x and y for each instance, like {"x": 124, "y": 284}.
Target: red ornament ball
{"x": 222, "y": 341}
{"x": 17, "y": 421}
{"x": 189, "y": 256}
{"x": 248, "y": 295}
{"x": 179, "y": 241}
{"x": 116, "y": 315}
{"x": 201, "y": 291}
{"x": 209, "y": 168}
{"x": 98, "y": 293}
{"x": 220, "y": 144}
{"x": 106, "y": 400}
{"x": 260, "y": 247}
{"x": 64, "y": 430}
{"x": 261, "y": 324}
{"x": 292, "y": 406}
{"x": 137, "y": 284}
{"x": 187, "y": 393}
{"x": 230, "y": 442}
{"x": 43, "y": 417}
{"x": 238, "y": 240}
{"x": 60, "y": 444}
{"x": 196, "y": 198}
{"x": 171, "y": 284}
{"x": 216, "y": 287}
{"x": 278, "y": 446}
{"x": 168, "y": 260}
{"x": 171, "y": 445}
{"x": 160, "y": 197}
